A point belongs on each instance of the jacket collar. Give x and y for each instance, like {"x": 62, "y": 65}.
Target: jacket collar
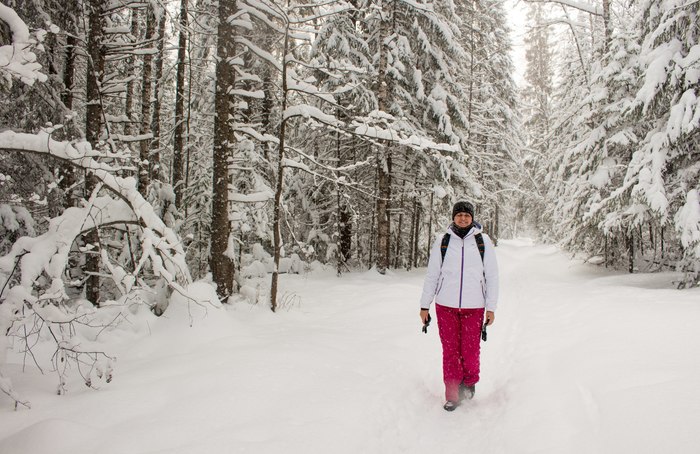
{"x": 476, "y": 228}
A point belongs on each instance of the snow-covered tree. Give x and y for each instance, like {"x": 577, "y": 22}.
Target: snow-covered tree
{"x": 492, "y": 142}
{"x": 622, "y": 157}
{"x": 663, "y": 173}
{"x": 112, "y": 233}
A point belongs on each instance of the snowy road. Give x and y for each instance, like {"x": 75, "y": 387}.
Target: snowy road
{"x": 579, "y": 361}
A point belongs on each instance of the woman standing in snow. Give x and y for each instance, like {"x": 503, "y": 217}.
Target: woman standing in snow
{"x": 462, "y": 278}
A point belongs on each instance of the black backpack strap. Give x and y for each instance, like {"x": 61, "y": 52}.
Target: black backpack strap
{"x": 479, "y": 244}
{"x": 443, "y": 246}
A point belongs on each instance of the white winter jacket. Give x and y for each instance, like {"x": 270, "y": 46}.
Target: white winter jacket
{"x": 462, "y": 281}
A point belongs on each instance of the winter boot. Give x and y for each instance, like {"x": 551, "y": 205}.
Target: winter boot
{"x": 466, "y": 391}
{"x": 450, "y": 405}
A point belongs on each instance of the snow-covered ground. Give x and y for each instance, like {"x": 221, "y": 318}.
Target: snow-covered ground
{"x": 580, "y": 360}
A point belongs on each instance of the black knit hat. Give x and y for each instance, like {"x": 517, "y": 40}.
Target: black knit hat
{"x": 463, "y": 207}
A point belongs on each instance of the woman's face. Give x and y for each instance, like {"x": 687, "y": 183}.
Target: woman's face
{"x": 463, "y": 220}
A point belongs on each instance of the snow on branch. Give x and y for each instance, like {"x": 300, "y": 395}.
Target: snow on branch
{"x": 268, "y": 57}
{"x": 17, "y": 60}
{"x": 79, "y": 155}
{"x": 245, "y": 129}
{"x": 423, "y": 7}
{"x": 260, "y": 12}
{"x": 257, "y": 94}
{"x": 262, "y": 196}
{"x": 262, "y": 9}
{"x": 656, "y": 63}
{"x": 302, "y": 86}
{"x": 324, "y": 10}
{"x": 573, "y": 4}
{"x": 380, "y": 126}
{"x": 339, "y": 180}
{"x": 161, "y": 243}
{"x": 345, "y": 168}
{"x": 307, "y": 111}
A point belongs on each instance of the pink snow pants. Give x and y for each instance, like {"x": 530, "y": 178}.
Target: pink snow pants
{"x": 460, "y": 334}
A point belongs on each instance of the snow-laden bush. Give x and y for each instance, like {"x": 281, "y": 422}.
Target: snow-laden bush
{"x": 41, "y": 300}
{"x": 259, "y": 263}
{"x": 292, "y": 264}
{"x": 254, "y": 269}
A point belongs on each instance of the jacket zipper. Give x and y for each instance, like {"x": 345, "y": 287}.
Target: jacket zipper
{"x": 461, "y": 276}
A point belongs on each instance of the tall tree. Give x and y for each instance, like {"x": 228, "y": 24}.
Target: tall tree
{"x": 154, "y": 160}
{"x": 493, "y": 140}
{"x": 93, "y": 128}
{"x": 179, "y": 138}
{"x": 384, "y": 152}
{"x": 147, "y": 101}
{"x": 221, "y": 262}
{"x": 538, "y": 114}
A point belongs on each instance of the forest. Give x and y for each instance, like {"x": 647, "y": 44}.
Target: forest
{"x": 149, "y": 144}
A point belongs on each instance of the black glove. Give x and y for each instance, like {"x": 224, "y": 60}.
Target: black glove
{"x": 426, "y": 324}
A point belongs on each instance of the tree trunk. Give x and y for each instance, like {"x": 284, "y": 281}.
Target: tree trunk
{"x": 93, "y": 127}
{"x": 430, "y": 224}
{"x": 154, "y": 167}
{"x": 372, "y": 235}
{"x": 398, "y": 260}
{"x": 630, "y": 250}
{"x": 268, "y": 106}
{"x": 179, "y": 140}
{"x": 496, "y": 226}
{"x": 68, "y": 171}
{"x": 277, "y": 208}
{"x": 345, "y": 235}
{"x": 383, "y": 206}
{"x": 606, "y": 252}
{"x": 129, "y": 126}
{"x": 383, "y": 159}
{"x": 146, "y": 93}
{"x": 470, "y": 107}
{"x": 220, "y": 262}
{"x": 416, "y": 235}
{"x": 412, "y": 235}
{"x": 69, "y": 70}
{"x": 606, "y": 24}
{"x": 340, "y": 258}
{"x": 66, "y": 72}
{"x": 344, "y": 241}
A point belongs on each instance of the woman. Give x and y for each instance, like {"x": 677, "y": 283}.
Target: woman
{"x": 462, "y": 278}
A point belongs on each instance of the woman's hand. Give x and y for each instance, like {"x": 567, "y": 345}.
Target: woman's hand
{"x": 490, "y": 318}
{"x": 424, "y": 314}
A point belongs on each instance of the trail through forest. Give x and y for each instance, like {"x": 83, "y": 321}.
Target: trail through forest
{"x": 580, "y": 360}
